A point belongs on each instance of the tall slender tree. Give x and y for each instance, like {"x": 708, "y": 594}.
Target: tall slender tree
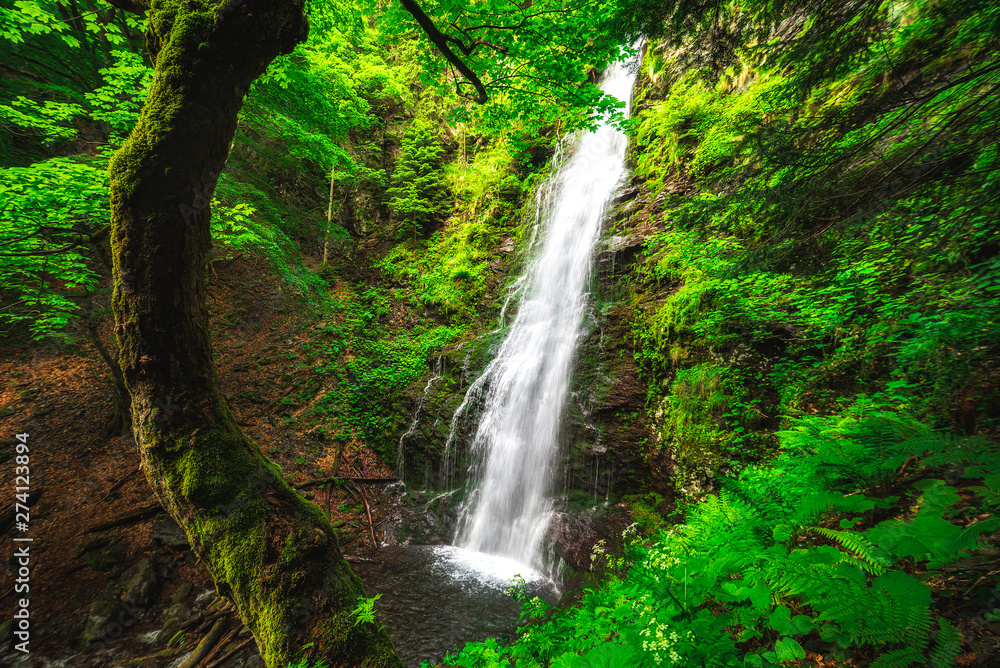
{"x": 270, "y": 551}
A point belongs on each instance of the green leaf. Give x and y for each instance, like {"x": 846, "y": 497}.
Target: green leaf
{"x": 608, "y": 655}
{"x": 782, "y": 622}
{"x": 788, "y": 649}
{"x": 925, "y": 537}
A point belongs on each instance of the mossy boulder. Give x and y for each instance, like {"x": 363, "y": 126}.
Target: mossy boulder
{"x": 511, "y": 189}
{"x": 103, "y": 622}
{"x": 172, "y": 617}
{"x": 141, "y": 584}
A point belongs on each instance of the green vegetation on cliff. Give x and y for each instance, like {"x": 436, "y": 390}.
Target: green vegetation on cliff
{"x": 825, "y": 226}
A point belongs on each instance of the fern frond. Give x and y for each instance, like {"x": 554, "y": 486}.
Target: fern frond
{"x": 947, "y": 645}
{"x": 867, "y": 553}
{"x": 899, "y": 658}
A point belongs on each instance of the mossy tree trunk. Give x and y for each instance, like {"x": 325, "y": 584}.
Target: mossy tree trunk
{"x": 270, "y": 551}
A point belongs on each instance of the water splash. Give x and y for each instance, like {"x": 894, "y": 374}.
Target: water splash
{"x": 524, "y": 388}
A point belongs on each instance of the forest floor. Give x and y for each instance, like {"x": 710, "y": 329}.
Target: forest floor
{"x": 82, "y": 478}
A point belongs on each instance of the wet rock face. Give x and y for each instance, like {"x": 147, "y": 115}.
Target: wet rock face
{"x": 422, "y": 517}
{"x": 434, "y": 447}
{"x": 606, "y": 428}
{"x": 574, "y": 539}
{"x": 574, "y": 534}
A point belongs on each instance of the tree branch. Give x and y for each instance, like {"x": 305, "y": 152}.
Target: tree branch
{"x": 133, "y": 6}
{"x": 46, "y": 253}
{"x": 441, "y": 40}
{"x": 476, "y": 43}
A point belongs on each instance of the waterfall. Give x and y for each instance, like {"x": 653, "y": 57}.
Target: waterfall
{"x": 526, "y": 384}
{"x": 414, "y": 422}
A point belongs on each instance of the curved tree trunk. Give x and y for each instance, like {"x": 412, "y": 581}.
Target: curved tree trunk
{"x": 270, "y": 551}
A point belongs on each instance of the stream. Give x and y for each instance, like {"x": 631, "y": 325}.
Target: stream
{"x": 435, "y": 598}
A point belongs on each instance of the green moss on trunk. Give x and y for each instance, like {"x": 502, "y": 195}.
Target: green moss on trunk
{"x": 270, "y": 551}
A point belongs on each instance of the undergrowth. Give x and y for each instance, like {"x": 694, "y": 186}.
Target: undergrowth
{"x": 836, "y": 545}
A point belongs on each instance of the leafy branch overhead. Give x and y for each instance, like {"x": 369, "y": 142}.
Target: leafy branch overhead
{"x": 526, "y": 62}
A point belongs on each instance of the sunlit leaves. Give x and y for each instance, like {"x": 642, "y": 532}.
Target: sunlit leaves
{"x": 42, "y": 17}
{"x": 535, "y": 59}
{"x": 119, "y": 101}
{"x": 51, "y": 214}
{"x": 51, "y": 120}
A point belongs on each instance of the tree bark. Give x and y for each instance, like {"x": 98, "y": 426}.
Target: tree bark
{"x": 121, "y": 421}
{"x": 269, "y": 551}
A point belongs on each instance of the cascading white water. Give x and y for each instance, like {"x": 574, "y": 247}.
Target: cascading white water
{"x": 527, "y": 382}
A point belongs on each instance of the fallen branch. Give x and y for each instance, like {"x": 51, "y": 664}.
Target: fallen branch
{"x": 120, "y": 483}
{"x": 91, "y": 545}
{"x": 203, "y": 618}
{"x": 228, "y": 655}
{"x": 222, "y": 643}
{"x": 205, "y": 646}
{"x": 354, "y": 559}
{"x": 368, "y": 511}
{"x": 162, "y": 654}
{"x": 320, "y": 481}
{"x": 130, "y": 517}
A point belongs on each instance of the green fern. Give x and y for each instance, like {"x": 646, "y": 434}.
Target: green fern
{"x": 869, "y": 557}
{"x": 946, "y": 646}
{"x": 900, "y": 658}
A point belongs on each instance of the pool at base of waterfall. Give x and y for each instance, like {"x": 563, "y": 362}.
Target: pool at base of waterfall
{"x": 437, "y": 598}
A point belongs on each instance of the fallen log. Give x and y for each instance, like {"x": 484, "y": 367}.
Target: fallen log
{"x": 319, "y": 481}
{"x": 354, "y": 559}
{"x": 130, "y": 517}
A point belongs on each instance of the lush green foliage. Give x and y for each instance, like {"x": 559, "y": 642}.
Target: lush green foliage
{"x": 449, "y": 271}
{"x": 54, "y": 212}
{"x": 51, "y": 214}
{"x": 787, "y": 553}
{"x": 530, "y": 58}
{"x": 418, "y": 193}
{"x": 365, "y": 351}
{"x": 829, "y": 223}
{"x": 825, "y": 240}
